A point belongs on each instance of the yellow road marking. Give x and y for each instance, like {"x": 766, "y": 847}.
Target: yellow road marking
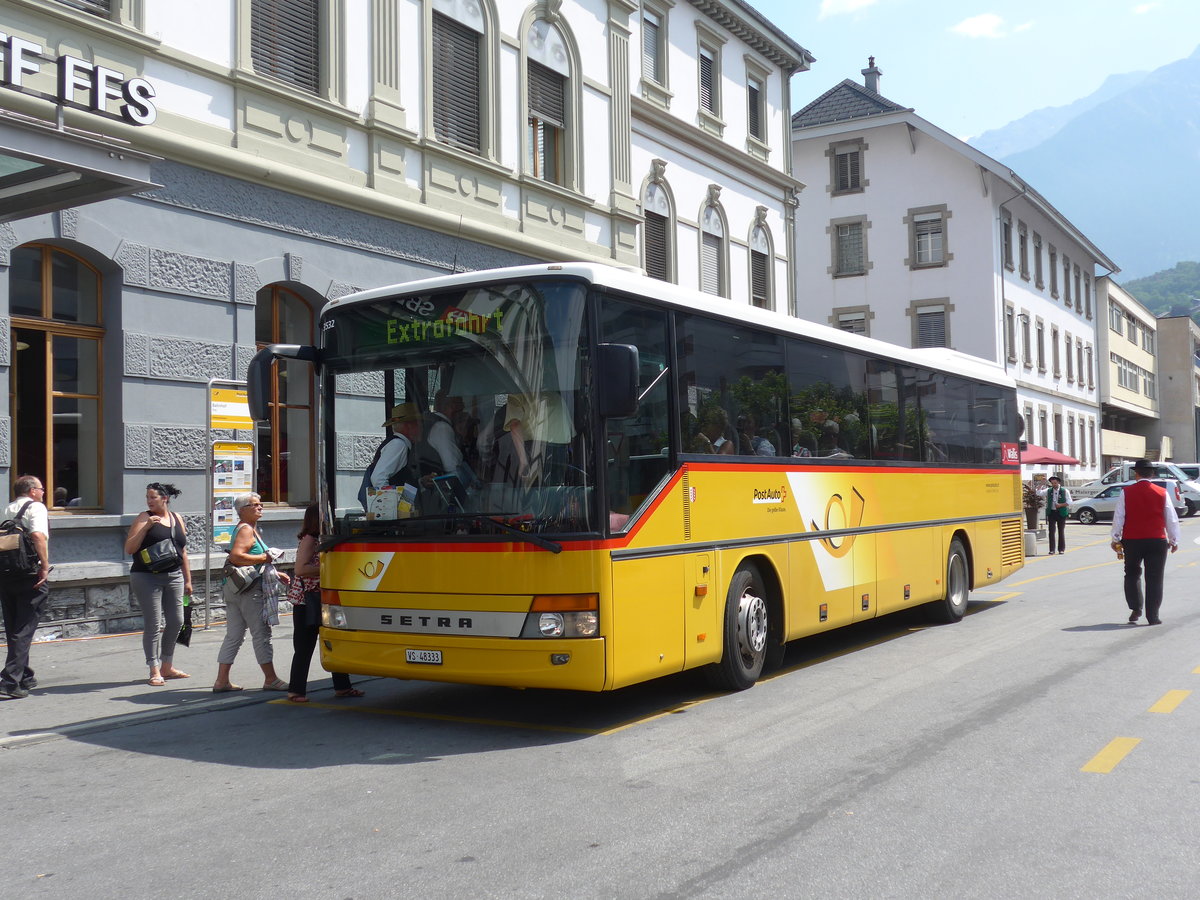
{"x": 1108, "y": 758}
{"x": 1168, "y": 701}
{"x": 1196, "y": 671}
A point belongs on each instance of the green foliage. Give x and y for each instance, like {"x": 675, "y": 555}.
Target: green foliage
{"x": 1030, "y": 496}
{"x": 1169, "y": 292}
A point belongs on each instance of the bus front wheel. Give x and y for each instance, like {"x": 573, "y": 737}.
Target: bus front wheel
{"x": 746, "y": 633}
{"x": 953, "y": 606}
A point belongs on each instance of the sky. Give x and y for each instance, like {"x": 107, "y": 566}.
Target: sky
{"x": 969, "y": 66}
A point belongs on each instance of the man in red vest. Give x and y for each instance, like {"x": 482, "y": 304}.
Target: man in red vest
{"x": 1145, "y": 525}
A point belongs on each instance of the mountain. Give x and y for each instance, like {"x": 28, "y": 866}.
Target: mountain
{"x": 1041, "y": 124}
{"x": 1174, "y": 292}
{"x": 1126, "y": 170}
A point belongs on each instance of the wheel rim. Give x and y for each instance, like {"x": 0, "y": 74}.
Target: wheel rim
{"x": 752, "y": 626}
{"x": 1086, "y": 516}
{"x": 956, "y": 581}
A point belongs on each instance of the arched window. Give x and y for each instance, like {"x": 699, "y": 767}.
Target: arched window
{"x": 286, "y": 453}
{"x": 658, "y": 233}
{"x": 760, "y": 268}
{"x": 55, "y": 379}
{"x": 714, "y": 252}
{"x": 460, "y": 88}
{"x": 552, "y": 99}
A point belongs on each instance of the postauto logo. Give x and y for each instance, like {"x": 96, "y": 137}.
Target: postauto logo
{"x": 770, "y": 495}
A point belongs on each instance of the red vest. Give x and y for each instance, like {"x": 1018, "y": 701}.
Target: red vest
{"x": 1144, "y": 518}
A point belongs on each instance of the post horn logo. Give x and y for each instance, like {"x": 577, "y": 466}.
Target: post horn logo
{"x": 838, "y": 546}
{"x": 372, "y": 570}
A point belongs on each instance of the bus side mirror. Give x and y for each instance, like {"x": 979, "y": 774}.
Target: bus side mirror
{"x": 616, "y": 373}
{"x": 258, "y": 375}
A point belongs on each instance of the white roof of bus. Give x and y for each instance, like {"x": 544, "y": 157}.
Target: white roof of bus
{"x": 943, "y": 359}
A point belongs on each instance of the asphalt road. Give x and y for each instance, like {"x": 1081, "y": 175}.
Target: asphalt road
{"x": 1035, "y": 749}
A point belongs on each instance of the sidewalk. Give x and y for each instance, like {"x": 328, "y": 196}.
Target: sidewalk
{"x": 95, "y": 684}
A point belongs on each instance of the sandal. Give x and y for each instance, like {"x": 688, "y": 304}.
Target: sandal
{"x": 350, "y": 692}
{"x": 277, "y": 685}
{"x": 156, "y": 681}
{"x": 176, "y": 674}
{"x": 226, "y": 688}
{"x": 297, "y": 698}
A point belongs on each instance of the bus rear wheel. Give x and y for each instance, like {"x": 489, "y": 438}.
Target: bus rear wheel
{"x": 745, "y": 634}
{"x": 953, "y": 606}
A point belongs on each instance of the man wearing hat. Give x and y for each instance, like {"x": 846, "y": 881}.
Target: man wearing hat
{"x": 1145, "y": 526}
{"x": 393, "y": 454}
{"x": 1058, "y": 507}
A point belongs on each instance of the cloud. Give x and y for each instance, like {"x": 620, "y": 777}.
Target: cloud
{"x": 985, "y": 25}
{"x": 842, "y": 7}
{"x": 1142, "y": 8}
{"x": 1023, "y": 27}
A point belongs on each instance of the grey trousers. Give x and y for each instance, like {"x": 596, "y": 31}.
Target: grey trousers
{"x": 160, "y": 595}
{"x": 243, "y": 612}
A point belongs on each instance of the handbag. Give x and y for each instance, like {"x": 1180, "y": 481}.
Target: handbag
{"x": 160, "y": 556}
{"x": 185, "y": 632}
{"x": 243, "y": 578}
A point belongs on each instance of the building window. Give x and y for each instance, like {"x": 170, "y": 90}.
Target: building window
{"x": 1054, "y": 352}
{"x": 853, "y": 321}
{"x": 1148, "y": 383}
{"x": 1092, "y": 439}
{"x": 1006, "y": 241}
{"x": 1043, "y": 434}
{"x": 285, "y": 41}
{"x": 1087, "y": 295}
{"x": 1082, "y": 441}
{"x": 1041, "y": 345}
{"x": 756, "y": 108}
{"x": 546, "y": 122}
{"x": 1131, "y": 328}
{"x": 849, "y": 248}
{"x": 1058, "y": 436}
{"x": 1070, "y": 357}
{"x": 1026, "y": 344}
{"x": 713, "y": 252}
{"x": 1116, "y": 318}
{"x": 658, "y": 244}
{"x": 1078, "y": 292}
{"x": 455, "y": 82}
{"x": 1066, "y": 285}
{"x": 1010, "y": 334}
{"x": 930, "y": 326}
{"x": 55, "y": 396}
{"x": 101, "y": 8}
{"x": 1023, "y": 249}
{"x": 710, "y": 83}
{"x": 1148, "y": 340}
{"x": 760, "y": 268}
{"x": 1071, "y": 434}
{"x": 927, "y": 237}
{"x": 1091, "y": 378}
{"x": 846, "y": 167}
{"x": 286, "y": 451}
{"x": 653, "y": 47}
{"x": 1038, "y": 273}
{"x": 1053, "y": 272}
{"x": 1079, "y": 360}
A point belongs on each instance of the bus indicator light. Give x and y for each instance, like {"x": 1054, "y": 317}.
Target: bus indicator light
{"x": 824, "y": 611}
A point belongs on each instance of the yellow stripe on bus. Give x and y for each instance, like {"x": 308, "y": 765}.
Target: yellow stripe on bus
{"x": 1108, "y": 758}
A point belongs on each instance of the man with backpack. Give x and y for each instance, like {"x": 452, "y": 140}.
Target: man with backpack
{"x": 23, "y": 587}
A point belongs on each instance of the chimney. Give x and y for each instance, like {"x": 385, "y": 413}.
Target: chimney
{"x": 871, "y": 75}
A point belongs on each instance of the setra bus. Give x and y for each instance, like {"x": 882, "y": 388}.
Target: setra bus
{"x": 647, "y": 479}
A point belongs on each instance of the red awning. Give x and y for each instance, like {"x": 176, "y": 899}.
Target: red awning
{"x": 1034, "y": 455}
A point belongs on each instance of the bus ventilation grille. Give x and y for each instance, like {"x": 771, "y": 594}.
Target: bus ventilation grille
{"x": 686, "y": 482}
{"x": 1012, "y": 543}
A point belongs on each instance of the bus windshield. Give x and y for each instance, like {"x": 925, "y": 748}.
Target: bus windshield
{"x": 468, "y": 409}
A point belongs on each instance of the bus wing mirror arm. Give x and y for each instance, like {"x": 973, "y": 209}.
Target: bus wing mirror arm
{"x": 258, "y": 375}
{"x": 617, "y": 376}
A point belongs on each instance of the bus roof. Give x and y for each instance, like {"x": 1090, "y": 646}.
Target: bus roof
{"x": 638, "y": 285}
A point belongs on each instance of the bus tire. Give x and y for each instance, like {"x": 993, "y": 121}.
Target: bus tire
{"x": 745, "y": 634}
{"x": 953, "y": 606}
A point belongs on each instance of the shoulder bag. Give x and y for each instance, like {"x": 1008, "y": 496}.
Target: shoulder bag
{"x": 161, "y": 555}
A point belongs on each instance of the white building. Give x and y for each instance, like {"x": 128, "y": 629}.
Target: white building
{"x": 711, "y": 161}
{"x": 908, "y": 234}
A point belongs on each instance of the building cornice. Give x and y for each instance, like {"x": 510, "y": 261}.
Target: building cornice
{"x": 748, "y": 25}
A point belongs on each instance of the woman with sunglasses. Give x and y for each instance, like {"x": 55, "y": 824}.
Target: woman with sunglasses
{"x": 244, "y": 610}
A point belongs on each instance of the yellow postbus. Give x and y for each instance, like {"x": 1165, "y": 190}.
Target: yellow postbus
{"x": 591, "y": 479}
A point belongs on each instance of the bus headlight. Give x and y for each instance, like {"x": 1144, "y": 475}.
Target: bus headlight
{"x": 563, "y": 616}
{"x": 333, "y": 616}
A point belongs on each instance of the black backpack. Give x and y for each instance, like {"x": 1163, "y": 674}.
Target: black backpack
{"x": 18, "y": 556}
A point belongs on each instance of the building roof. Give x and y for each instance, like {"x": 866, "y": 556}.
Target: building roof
{"x": 842, "y": 102}
{"x": 751, "y": 26}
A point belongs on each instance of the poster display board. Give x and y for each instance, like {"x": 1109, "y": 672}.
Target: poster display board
{"x": 229, "y": 407}
{"x": 232, "y": 474}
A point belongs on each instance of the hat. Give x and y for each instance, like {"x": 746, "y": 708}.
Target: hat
{"x": 1056, "y": 478}
{"x": 1144, "y": 466}
{"x": 404, "y": 412}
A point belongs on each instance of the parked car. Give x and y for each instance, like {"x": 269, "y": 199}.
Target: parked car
{"x": 1123, "y": 473}
{"x": 1089, "y": 510}
{"x": 1191, "y": 470}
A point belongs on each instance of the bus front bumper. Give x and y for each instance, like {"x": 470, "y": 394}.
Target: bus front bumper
{"x": 577, "y": 664}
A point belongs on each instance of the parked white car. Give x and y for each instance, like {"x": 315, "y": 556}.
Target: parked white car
{"x": 1188, "y": 489}
{"x": 1089, "y": 510}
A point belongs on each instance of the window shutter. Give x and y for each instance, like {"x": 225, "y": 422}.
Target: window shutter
{"x": 708, "y": 96}
{"x": 931, "y": 328}
{"x": 455, "y": 83}
{"x": 848, "y": 171}
{"x": 759, "y": 280}
{"x": 102, "y": 8}
{"x": 650, "y": 32}
{"x": 710, "y": 264}
{"x": 654, "y": 237}
{"x": 285, "y": 41}
{"x": 754, "y": 98}
{"x": 547, "y": 98}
